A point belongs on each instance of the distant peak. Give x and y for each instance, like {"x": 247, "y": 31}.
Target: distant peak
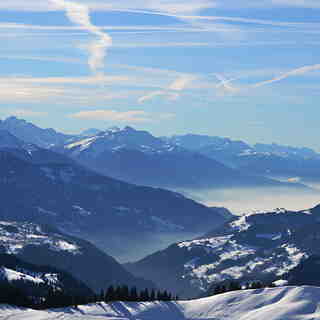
{"x": 114, "y": 129}
{"x": 127, "y": 128}
{"x": 12, "y": 118}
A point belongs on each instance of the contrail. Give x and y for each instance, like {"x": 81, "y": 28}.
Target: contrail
{"x": 225, "y": 83}
{"x": 79, "y": 14}
{"x": 295, "y": 72}
{"x": 172, "y": 92}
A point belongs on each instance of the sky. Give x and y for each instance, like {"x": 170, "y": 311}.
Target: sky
{"x": 244, "y": 69}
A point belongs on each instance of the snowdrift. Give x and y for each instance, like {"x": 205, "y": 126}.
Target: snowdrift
{"x": 286, "y": 303}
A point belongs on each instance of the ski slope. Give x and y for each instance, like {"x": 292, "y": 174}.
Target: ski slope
{"x": 285, "y": 303}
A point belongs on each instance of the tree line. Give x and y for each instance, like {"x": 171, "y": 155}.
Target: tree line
{"x": 123, "y": 293}
{"x": 57, "y": 298}
{"x": 235, "y": 285}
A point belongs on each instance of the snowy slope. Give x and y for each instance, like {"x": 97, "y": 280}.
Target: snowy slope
{"x": 42, "y": 245}
{"x": 286, "y": 303}
{"x": 259, "y": 246}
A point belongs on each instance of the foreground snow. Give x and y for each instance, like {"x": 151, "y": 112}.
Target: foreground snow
{"x": 284, "y": 303}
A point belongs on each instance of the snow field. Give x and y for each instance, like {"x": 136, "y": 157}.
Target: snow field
{"x": 283, "y": 303}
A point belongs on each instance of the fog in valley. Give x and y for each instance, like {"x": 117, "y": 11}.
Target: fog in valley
{"x": 243, "y": 200}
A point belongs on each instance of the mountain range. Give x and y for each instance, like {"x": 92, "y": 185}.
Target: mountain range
{"x": 45, "y": 187}
{"x": 138, "y": 157}
{"x": 270, "y": 160}
{"x": 186, "y": 161}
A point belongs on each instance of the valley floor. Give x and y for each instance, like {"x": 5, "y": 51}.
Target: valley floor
{"x": 284, "y": 303}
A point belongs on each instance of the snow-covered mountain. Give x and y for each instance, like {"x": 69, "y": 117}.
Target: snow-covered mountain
{"x": 283, "y": 303}
{"x": 41, "y": 186}
{"x": 37, "y": 281}
{"x": 43, "y": 245}
{"x": 138, "y": 157}
{"x": 263, "y": 246}
{"x": 30, "y": 133}
{"x": 271, "y": 160}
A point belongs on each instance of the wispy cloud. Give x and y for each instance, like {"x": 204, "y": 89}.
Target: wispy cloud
{"x": 112, "y": 115}
{"x": 225, "y": 83}
{"x": 79, "y": 14}
{"x": 66, "y": 80}
{"x": 173, "y": 90}
{"x": 173, "y": 6}
{"x": 292, "y": 73}
{"x": 133, "y": 116}
{"x": 28, "y": 113}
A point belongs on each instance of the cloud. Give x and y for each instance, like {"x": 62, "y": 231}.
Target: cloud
{"x": 66, "y": 80}
{"x": 173, "y": 90}
{"x": 225, "y": 83}
{"x": 292, "y": 73}
{"x": 173, "y": 6}
{"x": 113, "y": 115}
{"x": 134, "y": 116}
{"x": 182, "y": 82}
{"x": 28, "y": 113}
{"x": 79, "y": 14}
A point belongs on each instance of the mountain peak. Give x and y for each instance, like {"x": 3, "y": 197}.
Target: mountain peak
{"x": 30, "y": 133}
{"x": 14, "y": 120}
{"x": 127, "y": 128}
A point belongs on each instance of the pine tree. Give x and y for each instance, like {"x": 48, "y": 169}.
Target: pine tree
{"x": 153, "y": 295}
{"x": 110, "y": 294}
{"x": 134, "y": 294}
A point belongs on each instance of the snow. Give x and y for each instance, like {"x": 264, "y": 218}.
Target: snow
{"x": 282, "y": 303}
{"x": 28, "y": 276}
{"x": 12, "y": 275}
{"x": 24, "y": 234}
{"x": 240, "y": 224}
{"x": 83, "y": 144}
{"x": 62, "y": 245}
{"x": 280, "y": 283}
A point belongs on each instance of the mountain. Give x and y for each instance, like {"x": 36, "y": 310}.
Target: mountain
{"x": 36, "y": 281}
{"x": 138, "y": 157}
{"x": 263, "y": 246}
{"x": 270, "y": 160}
{"x": 41, "y": 186}
{"x": 285, "y": 303}
{"x": 43, "y": 245}
{"x": 30, "y": 133}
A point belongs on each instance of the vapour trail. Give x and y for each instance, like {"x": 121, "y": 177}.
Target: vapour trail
{"x": 80, "y": 14}
{"x": 225, "y": 83}
{"x": 173, "y": 91}
{"x": 295, "y": 72}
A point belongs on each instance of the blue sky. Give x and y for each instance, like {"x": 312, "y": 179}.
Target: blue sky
{"x": 246, "y": 69}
